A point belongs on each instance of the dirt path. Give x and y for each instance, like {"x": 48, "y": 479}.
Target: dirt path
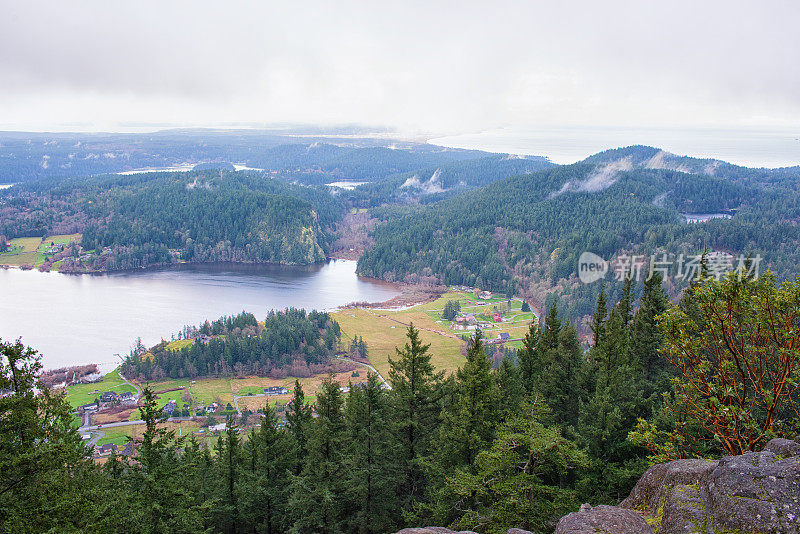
{"x": 368, "y": 366}
{"x": 431, "y": 330}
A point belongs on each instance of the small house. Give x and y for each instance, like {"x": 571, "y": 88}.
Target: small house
{"x": 496, "y": 317}
{"x": 170, "y": 407}
{"x": 276, "y": 390}
{"x": 107, "y": 448}
{"x": 108, "y": 396}
{"x": 91, "y": 407}
{"x": 503, "y": 336}
{"x": 466, "y": 319}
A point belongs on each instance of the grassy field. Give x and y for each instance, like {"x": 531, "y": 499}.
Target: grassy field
{"x": 85, "y": 393}
{"x": 383, "y": 330}
{"x": 514, "y": 321}
{"x": 31, "y": 250}
{"x": 178, "y": 344}
{"x": 119, "y": 435}
{"x": 205, "y": 391}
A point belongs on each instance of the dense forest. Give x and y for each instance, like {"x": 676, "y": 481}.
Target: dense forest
{"x": 483, "y": 449}
{"x": 296, "y": 155}
{"x": 525, "y": 233}
{"x": 290, "y": 342}
{"x": 436, "y": 183}
{"x": 158, "y": 218}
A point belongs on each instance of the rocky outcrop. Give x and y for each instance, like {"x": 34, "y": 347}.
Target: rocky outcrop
{"x": 442, "y": 530}
{"x": 433, "y": 530}
{"x": 611, "y": 519}
{"x": 757, "y": 492}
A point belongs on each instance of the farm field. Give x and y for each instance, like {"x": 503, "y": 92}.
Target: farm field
{"x": 31, "y": 251}
{"x": 80, "y": 394}
{"x": 204, "y": 391}
{"x": 119, "y": 435}
{"x": 383, "y": 330}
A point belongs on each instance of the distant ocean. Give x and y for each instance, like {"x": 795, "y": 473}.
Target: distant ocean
{"x": 751, "y": 148}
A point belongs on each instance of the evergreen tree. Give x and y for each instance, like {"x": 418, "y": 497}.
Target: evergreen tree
{"x": 510, "y": 386}
{"x": 518, "y": 482}
{"x": 229, "y": 465}
{"x": 416, "y": 390}
{"x": 599, "y": 318}
{"x": 529, "y": 359}
{"x": 43, "y": 463}
{"x": 552, "y": 327}
{"x": 646, "y": 339}
{"x": 269, "y": 459}
{"x": 298, "y": 423}
{"x": 372, "y": 506}
{"x": 158, "y": 501}
{"x": 316, "y": 498}
{"x": 469, "y": 424}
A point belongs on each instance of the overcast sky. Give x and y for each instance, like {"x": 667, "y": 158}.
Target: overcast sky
{"x": 425, "y": 67}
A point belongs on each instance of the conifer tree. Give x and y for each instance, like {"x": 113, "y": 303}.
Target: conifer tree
{"x": 269, "y": 459}
{"x": 371, "y": 503}
{"x": 316, "y": 498}
{"x": 469, "y": 424}
{"x": 298, "y": 423}
{"x": 416, "y": 391}
{"x": 529, "y": 359}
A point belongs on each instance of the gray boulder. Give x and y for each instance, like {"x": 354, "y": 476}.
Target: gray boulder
{"x": 433, "y": 530}
{"x": 757, "y": 492}
{"x": 754, "y": 492}
{"x": 603, "y": 519}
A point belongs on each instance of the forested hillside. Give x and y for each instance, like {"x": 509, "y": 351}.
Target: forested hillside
{"x": 157, "y": 218}
{"x": 525, "y": 234}
{"x": 295, "y": 155}
{"x": 654, "y": 158}
{"x": 286, "y": 342}
{"x": 436, "y": 183}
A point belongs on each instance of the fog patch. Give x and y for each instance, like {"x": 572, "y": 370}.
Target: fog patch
{"x": 429, "y": 187}
{"x": 659, "y": 200}
{"x": 602, "y": 177}
{"x": 196, "y": 184}
{"x": 661, "y": 161}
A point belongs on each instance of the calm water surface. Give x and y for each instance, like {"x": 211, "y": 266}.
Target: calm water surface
{"x": 751, "y": 148}
{"x": 73, "y": 319}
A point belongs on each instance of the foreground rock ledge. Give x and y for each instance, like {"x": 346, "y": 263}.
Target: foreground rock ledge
{"x": 757, "y": 492}
{"x": 442, "y": 530}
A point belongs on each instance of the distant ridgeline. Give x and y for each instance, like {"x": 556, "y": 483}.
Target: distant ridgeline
{"x": 528, "y": 231}
{"x": 26, "y": 156}
{"x": 288, "y": 342}
{"x": 279, "y": 212}
{"x": 160, "y": 218}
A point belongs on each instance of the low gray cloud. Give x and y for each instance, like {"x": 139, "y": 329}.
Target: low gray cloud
{"x": 419, "y": 66}
{"x": 602, "y": 177}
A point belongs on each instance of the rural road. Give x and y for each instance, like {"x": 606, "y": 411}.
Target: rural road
{"x": 128, "y": 423}
{"x": 138, "y": 390}
{"x": 95, "y": 436}
{"x": 366, "y": 365}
